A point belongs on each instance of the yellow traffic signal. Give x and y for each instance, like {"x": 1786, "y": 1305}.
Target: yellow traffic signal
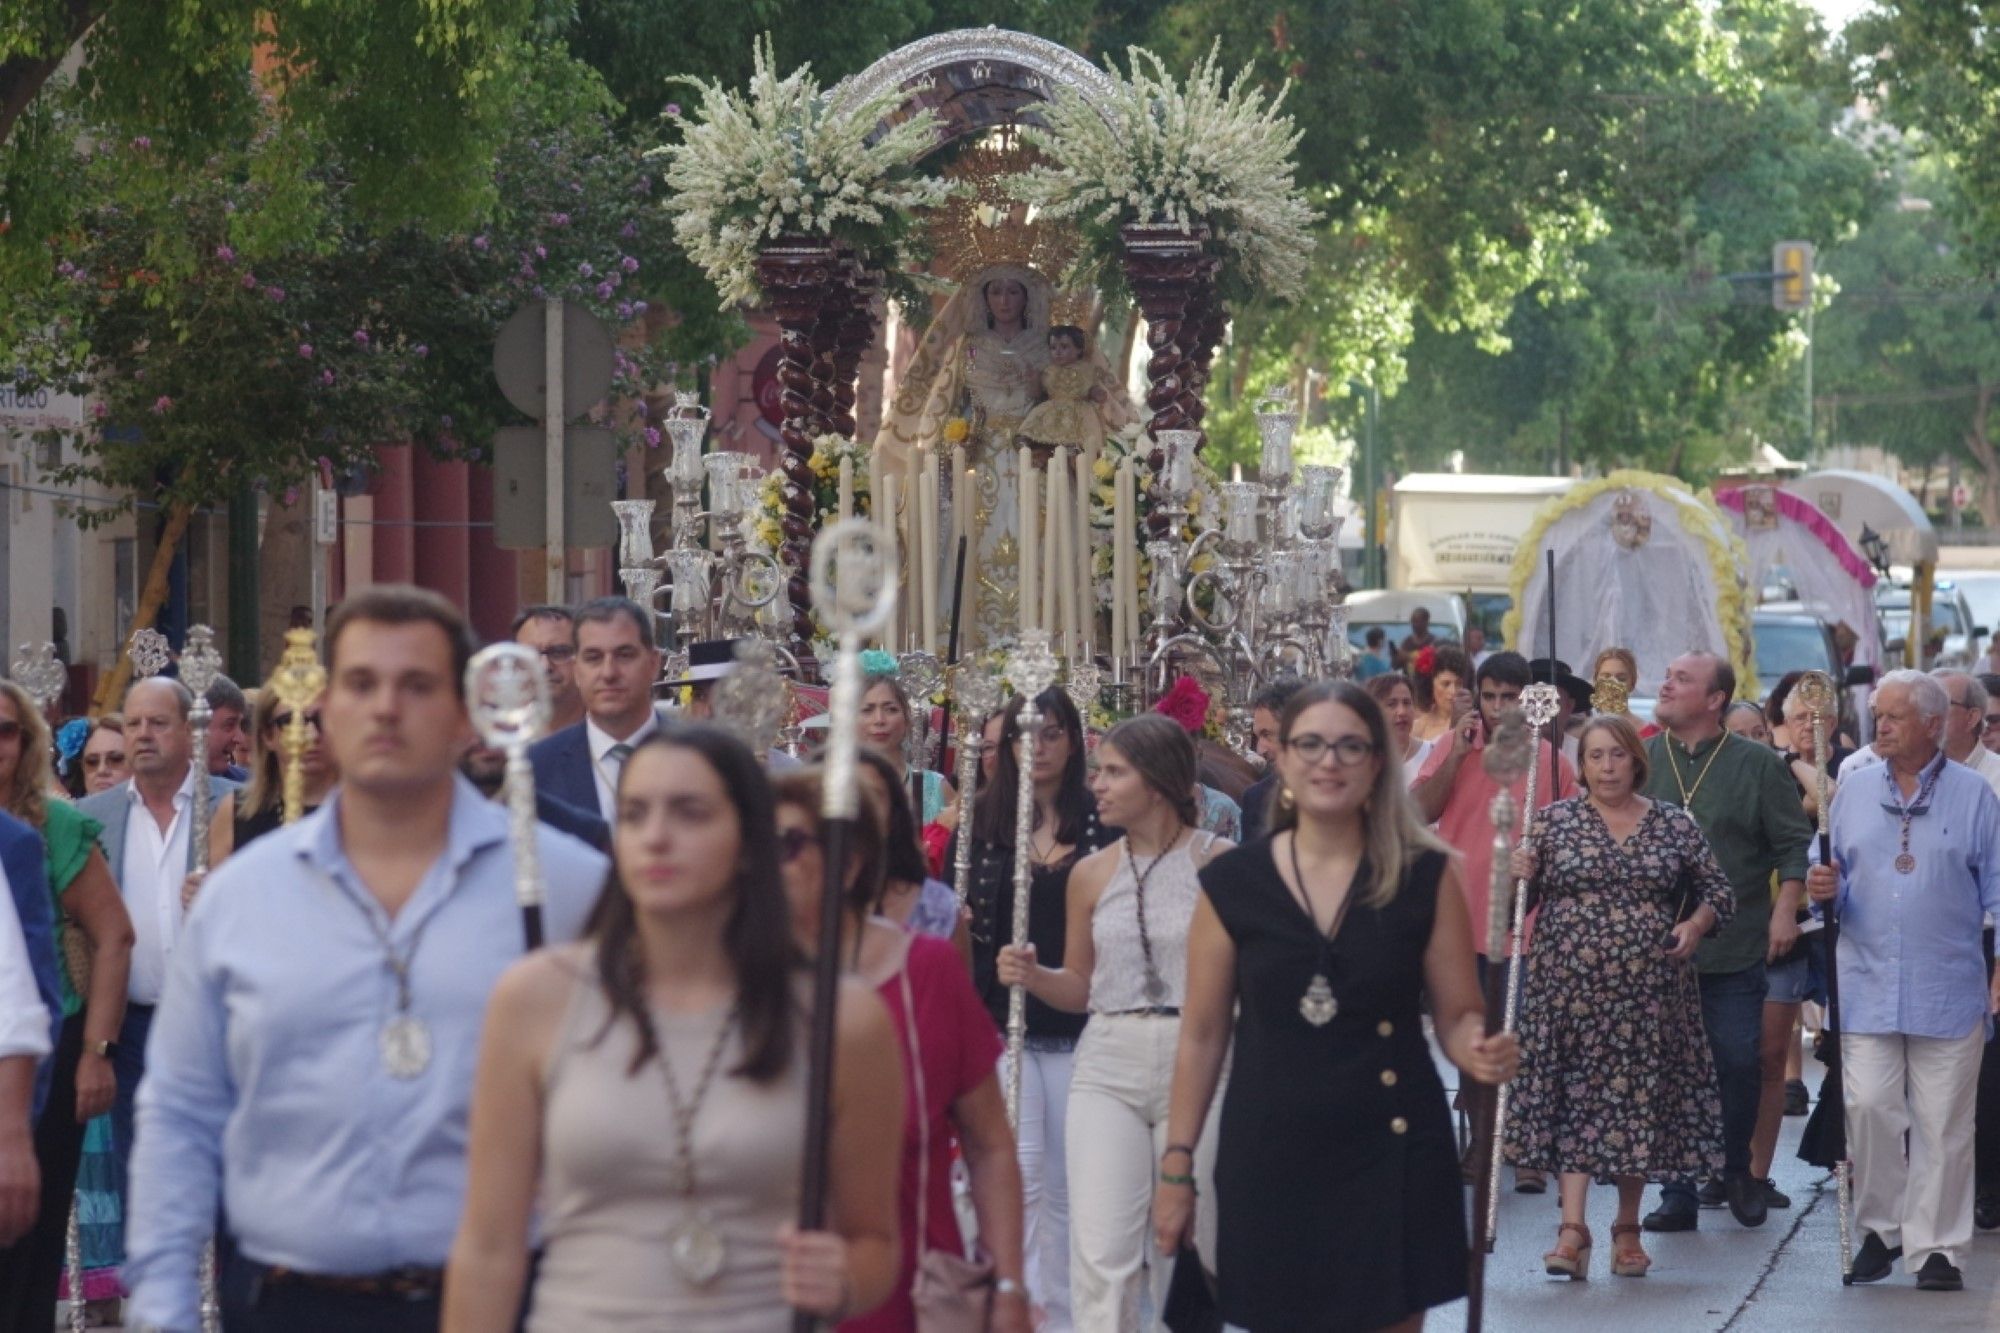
{"x": 1791, "y": 275}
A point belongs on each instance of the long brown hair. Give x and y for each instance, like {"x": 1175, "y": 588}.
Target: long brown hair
{"x": 805, "y": 788}
{"x": 757, "y": 937}
{"x": 1159, "y": 750}
{"x": 266, "y": 787}
{"x": 27, "y": 796}
{"x": 1395, "y": 837}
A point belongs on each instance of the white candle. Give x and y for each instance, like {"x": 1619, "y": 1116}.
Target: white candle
{"x": 961, "y": 504}
{"x": 930, "y": 553}
{"x": 968, "y": 489}
{"x": 1120, "y": 559}
{"x": 1048, "y": 600}
{"x": 885, "y": 518}
{"x": 1028, "y": 528}
{"x": 1064, "y": 510}
{"x": 912, "y": 493}
{"x": 1085, "y": 554}
{"x": 875, "y": 478}
{"x": 1128, "y": 595}
{"x": 846, "y": 488}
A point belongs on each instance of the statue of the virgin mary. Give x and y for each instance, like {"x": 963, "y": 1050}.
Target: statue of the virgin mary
{"x": 981, "y": 364}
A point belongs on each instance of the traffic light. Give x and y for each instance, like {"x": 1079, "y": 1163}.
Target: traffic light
{"x": 1791, "y": 275}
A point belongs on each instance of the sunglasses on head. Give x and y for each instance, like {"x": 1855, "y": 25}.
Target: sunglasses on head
{"x": 793, "y": 842}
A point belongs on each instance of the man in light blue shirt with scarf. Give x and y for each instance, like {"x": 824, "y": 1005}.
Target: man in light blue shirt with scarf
{"x": 1916, "y": 849}
{"x": 311, "y": 1063}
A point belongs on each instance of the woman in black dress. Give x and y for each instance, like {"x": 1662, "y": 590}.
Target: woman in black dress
{"x": 1340, "y": 1204}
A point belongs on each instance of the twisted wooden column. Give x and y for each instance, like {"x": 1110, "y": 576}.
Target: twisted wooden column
{"x": 1164, "y": 266}
{"x": 1206, "y": 321}
{"x": 851, "y": 342}
{"x": 799, "y": 277}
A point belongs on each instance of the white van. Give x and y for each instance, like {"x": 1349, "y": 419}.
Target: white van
{"x": 1391, "y": 610}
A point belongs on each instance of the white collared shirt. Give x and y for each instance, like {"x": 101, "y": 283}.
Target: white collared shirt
{"x": 156, "y": 863}
{"x": 603, "y": 768}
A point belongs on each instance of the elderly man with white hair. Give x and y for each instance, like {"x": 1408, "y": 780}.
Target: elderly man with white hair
{"x": 1916, "y": 850}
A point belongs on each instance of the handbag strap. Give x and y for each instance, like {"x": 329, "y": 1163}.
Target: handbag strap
{"x": 923, "y": 1102}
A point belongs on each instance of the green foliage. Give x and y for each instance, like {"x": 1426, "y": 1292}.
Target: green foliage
{"x": 1935, "y": 66}
{"x": 1908, "y": 354}
{"x": 247, "y": 321}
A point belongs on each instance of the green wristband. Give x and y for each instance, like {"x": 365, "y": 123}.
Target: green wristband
{"x": 1167, "y": 1179}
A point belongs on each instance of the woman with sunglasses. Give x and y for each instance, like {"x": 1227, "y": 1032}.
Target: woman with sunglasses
{"x": 1064, "y": 830}
{"x": 1126, "y": 964}
{"x": 644, "y": 1091}
{"x": 101, "y": 765}
{"x": 1338, "y": 1199}
{"x": 949, "y": 1049}
{"x": 260, "y": 805}
{"x": 94, "y": 949}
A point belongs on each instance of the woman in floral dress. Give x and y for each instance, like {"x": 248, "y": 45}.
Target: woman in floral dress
{"x": 1616, "y": 1079}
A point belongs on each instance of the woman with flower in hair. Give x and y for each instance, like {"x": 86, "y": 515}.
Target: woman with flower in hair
{"x": 1441, "y": 674}
{"x": 1188, "y": 704}
{"x": 886, "y": 724}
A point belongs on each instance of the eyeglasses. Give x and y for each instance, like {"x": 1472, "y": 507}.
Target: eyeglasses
{"x": 1346, "y": 751}
{"x": 794, "y": 842}
{"x": 102, "y": 758}
{"x": 283, "y": 720}
{"x": 559, "y": 652}
{"x": 1967, "y": 705}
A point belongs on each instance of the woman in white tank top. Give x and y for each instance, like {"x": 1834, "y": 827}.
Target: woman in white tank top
{"x": 1126, "y": 964}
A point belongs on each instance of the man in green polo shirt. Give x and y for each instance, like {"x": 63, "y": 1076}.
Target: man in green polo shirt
{"x": 1742, "y": 797}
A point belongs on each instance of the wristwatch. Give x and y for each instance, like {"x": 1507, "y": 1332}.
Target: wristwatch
{"x": 107, "y": 1049}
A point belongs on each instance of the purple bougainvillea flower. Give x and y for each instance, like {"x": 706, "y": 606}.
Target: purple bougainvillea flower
{"x": 541, "y": 252}
{"x": 249, "y": 282}
{"x": 624, "y": 310}
{"x": 629, "y": 264}
{"x": 605, "y": 290}
{"x": 559, "y": 219}
{"x": 652, "y": 437}
{"x": 361, "y": 336}
{"x": 673, "y": 108}
{"x": 639, "y": 306}
{"x": 161, "y": 404}
{"x": 480, "y": 242}
{"x": 274, "y": 293}
{"x": 306, "y": 350}
{"x": 629, "y": 230}
{"x": 142, "y": 141}
{"x": 584, "y": 270}
{"x": 291, "y": 496}
{"x": 225, "y": 254}
{"x": 100, "y": 411}
{"x": 326, "y": 377}
{"x": 422, "y": 350}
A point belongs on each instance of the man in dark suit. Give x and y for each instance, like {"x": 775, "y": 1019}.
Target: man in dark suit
{"x": 617, "y": 665}
{"x": 486, "y": 768}
{"x": 1265, "y": 709}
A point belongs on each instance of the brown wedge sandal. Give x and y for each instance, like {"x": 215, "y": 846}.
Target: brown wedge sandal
{"x": 1631, "y": 1262}
{"x": 1566, "y": 1259}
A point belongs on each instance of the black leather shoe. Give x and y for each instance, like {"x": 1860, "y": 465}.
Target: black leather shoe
{"x": 1986, "y": 1212}
{"x": 1773, "y": 1196}
{"x": 1746, "y": 1198}
{"x": 1672, "y": 1216}
{"x": 1797, "y": 1100}
{"x": 1937, "y": 1274}
{"x": 1874, "y": 1260}
{"x": 1710, "y": 1194}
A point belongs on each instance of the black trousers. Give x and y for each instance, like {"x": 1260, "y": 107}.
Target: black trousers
{"x": 1986, "y": 1109}
{"x": 32, "y": 1266}
{"x": 251, "y": 1306}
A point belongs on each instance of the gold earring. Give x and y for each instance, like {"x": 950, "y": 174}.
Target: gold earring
{"x": 1285, "y": 801}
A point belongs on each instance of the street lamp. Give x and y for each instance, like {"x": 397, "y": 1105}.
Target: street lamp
{"x": 1872, "y": 546}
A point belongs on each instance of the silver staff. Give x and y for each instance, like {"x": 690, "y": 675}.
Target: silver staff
{"x": 977, "y": 694}
{"x": 508, "y": 694}
{"x": 201, "y": 664}
{"x": 1509, "y": 753}
{"x": 854, "y": 589}
{"x": 1030, "y": 669}
{"x": 1816, "y": 691}
{"x": 754, "y": 700}
{"x": 1539, "y": 706}
{"x": 150, "y": 652}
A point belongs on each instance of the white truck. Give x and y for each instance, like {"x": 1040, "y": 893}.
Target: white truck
{"x": 1459, "y": 532}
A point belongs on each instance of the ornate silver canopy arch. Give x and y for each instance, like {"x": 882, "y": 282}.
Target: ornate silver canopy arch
{"x": 976, "y": 79}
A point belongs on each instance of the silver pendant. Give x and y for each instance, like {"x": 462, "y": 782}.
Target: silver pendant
{"x": 1906, "y": 863}
{"x": 1317, "y": 1006}
{"x": 406, "y": 1047}
{"x": 1156, "y": 987}
{"x": 695, "y": 1249}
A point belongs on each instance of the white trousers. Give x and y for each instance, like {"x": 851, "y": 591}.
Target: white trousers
{"x": 1038, "y": 1141}
{"x": 1924, "y": 1085}
{"x": 1117, "y": 1132}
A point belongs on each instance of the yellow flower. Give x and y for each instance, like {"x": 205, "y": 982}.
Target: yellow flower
{"x": 957, "y": 430}
{"x": 1105, "y": 470}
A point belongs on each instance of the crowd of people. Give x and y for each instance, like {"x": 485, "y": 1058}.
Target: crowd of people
{"x": 330, "y": 1065}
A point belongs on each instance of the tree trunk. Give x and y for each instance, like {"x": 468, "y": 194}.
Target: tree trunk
{"x": 284, "y": 562}
{"x": 22, "y": 76}
{"x": 151, "y": 597}
{"x": 1980, "y": 447}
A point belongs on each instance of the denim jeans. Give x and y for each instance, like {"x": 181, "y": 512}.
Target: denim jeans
{"x": 1732, "y": 1012}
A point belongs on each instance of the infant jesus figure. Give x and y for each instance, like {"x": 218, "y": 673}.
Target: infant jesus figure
{"x": 1070, "y": 417}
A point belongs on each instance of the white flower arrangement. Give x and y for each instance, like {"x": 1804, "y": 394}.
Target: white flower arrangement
{"x": 1157, "y": 152}
{"x": 778, "y": 161}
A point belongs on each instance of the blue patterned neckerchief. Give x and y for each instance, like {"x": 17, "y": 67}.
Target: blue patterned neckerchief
{"x": 1920, "y": 804}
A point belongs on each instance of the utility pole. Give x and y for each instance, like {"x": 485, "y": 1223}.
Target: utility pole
{"x": 245, "y": 657}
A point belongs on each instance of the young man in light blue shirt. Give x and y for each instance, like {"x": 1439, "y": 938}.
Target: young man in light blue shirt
{"x": 311, "y": 1062}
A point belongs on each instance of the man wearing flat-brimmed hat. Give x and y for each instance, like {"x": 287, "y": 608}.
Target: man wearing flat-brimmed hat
{"x": 709, "y": 660}
{"x": 1572, "y": 695}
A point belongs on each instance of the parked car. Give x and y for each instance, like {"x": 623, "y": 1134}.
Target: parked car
{"x": 1390, "y": 609}
{"x": 1793, "y": 636}
{"x": 1982, "y": 593}
{"x": 1953, "y": 631}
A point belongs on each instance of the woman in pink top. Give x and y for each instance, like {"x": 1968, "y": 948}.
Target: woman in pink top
{"x": 950, "y": 1051}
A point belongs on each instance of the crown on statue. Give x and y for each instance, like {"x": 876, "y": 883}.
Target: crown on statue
{"x": 982, "y": 225}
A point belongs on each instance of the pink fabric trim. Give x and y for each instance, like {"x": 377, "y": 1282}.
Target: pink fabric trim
{"x": 1814, "y": 520}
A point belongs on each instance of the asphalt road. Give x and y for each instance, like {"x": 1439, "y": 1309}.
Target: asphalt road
{"x": 1782, "y": 1277}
